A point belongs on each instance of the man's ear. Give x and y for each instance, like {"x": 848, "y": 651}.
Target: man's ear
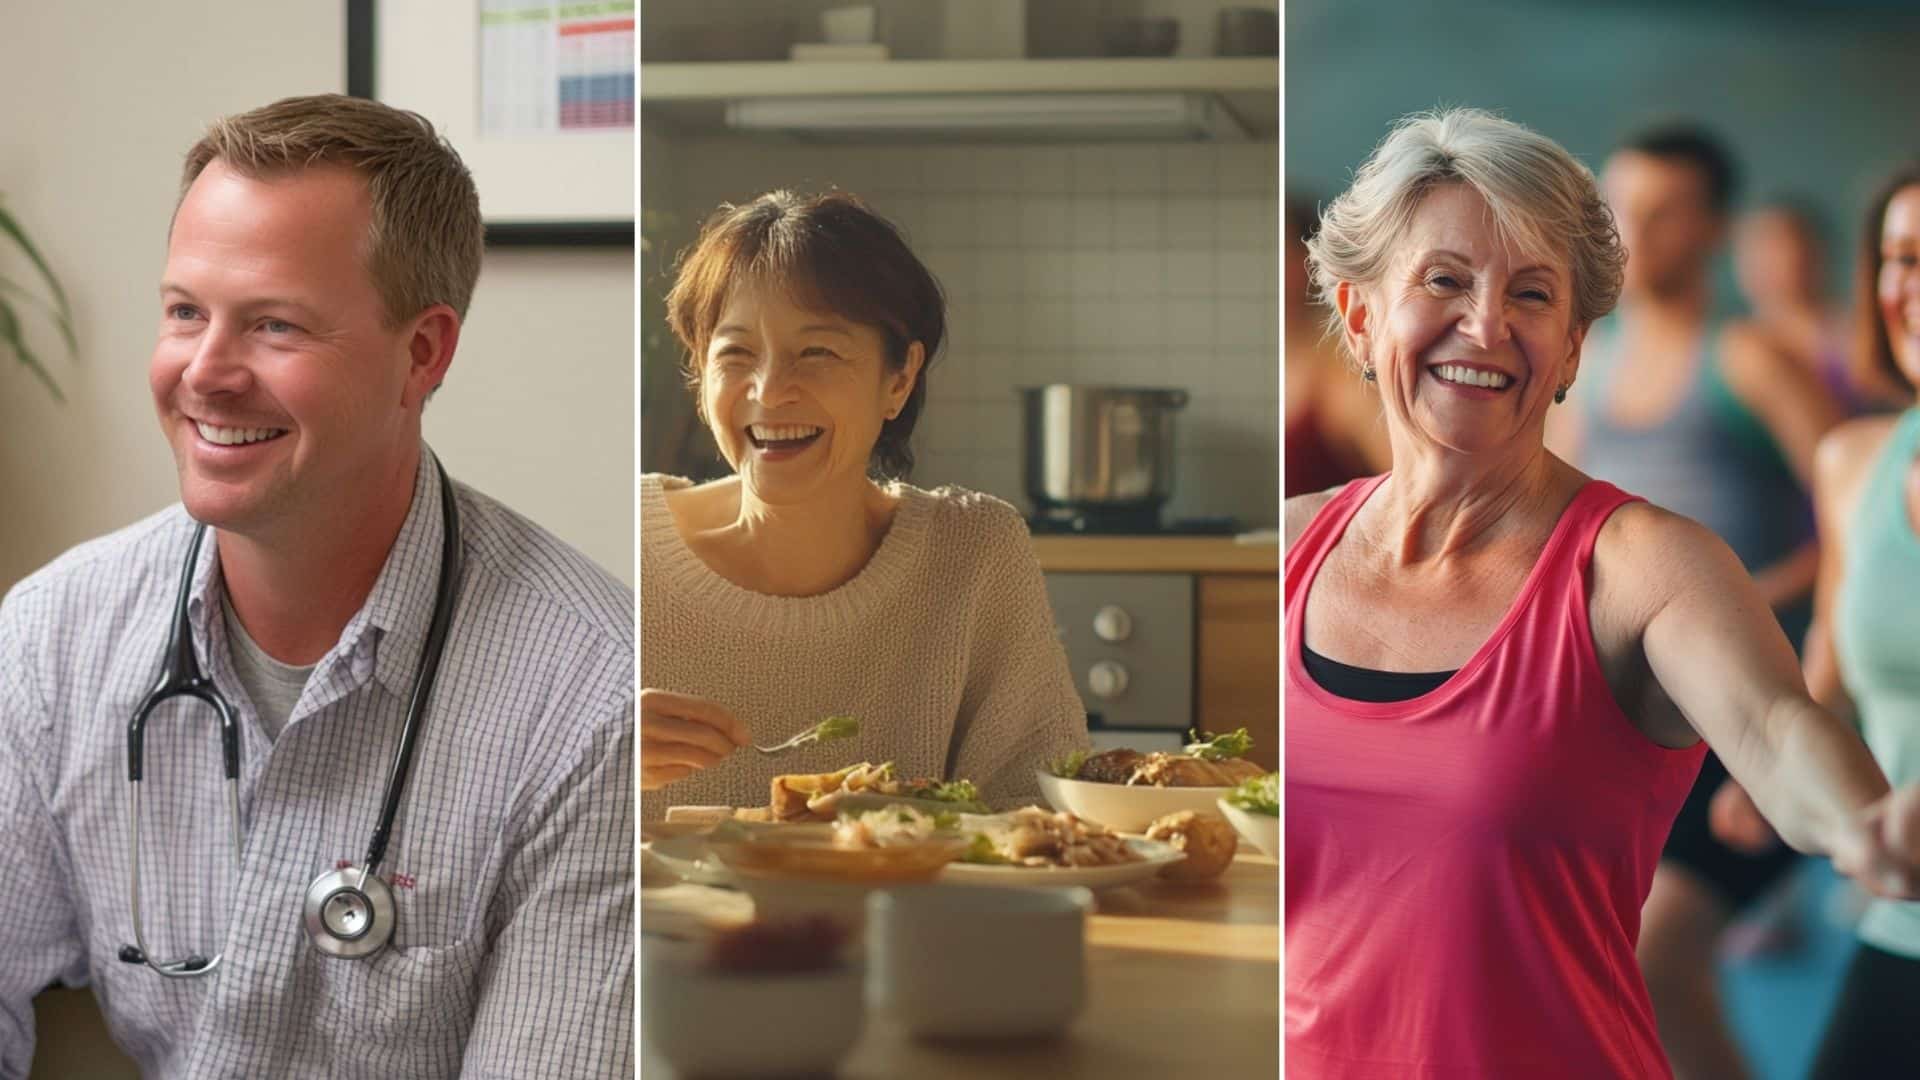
{"x": 430, "y": 344}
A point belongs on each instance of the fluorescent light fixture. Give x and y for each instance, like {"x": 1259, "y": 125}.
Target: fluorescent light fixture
{"x": 1101, "y": 116}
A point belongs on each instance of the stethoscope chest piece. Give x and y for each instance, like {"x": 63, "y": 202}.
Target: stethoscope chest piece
{"x": 349, "y": 914}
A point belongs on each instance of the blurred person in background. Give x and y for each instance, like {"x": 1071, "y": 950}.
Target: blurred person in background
{"x": 1867, "y": 487}
{"x": 1704, "y": 416}
{"x": 1334, "y": 432}
{"x": 1779, "y": 260}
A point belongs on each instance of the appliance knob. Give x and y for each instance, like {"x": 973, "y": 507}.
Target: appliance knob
{"x": 1107, "y": 679}
{"x": 1112, "y": 623}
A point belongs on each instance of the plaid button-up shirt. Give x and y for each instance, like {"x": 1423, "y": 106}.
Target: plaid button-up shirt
{"x": 511, "y": 857}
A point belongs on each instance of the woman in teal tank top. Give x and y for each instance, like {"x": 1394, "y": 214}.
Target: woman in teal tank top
{"x": 1867, "y": 490}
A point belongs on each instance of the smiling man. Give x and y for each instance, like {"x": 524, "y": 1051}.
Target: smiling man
{"x": 401, "y": 875}
{"x": 1702, "y": 414}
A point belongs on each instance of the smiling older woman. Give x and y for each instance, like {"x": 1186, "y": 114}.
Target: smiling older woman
{"x": 1499, "y": 671}
{"x": 802, "y": 586}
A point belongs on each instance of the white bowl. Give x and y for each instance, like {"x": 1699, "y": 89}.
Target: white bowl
{"x": 958, "y": 963}
{"x": 1260, "y": 830}
{"x": 708, "y": 1023}
{"x": 1125, "y": 808}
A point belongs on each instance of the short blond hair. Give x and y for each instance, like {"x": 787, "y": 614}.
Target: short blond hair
{"x": 1542, "y": 198}
{"x": 426, "y": 240}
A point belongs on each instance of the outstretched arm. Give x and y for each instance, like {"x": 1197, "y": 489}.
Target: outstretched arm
{"x": 1716, "y": 650}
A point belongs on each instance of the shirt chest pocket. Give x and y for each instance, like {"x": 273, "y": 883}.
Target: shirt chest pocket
{"x": 399, "y": 1012}
{"x": 406, "y": 990}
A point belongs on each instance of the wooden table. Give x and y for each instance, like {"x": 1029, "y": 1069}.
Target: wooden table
{"x": 1182, "y": 980}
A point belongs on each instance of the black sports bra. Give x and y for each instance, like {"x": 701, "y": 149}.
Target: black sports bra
{"x": 1366, "y": 684}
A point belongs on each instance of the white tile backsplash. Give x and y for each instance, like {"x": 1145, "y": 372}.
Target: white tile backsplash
{"x": 1092, "y": 273}
{"x": 1139, "y": 222}
{"x": 1046, "y": 170}
{"x": 1136, "y": 265}
{"x": 1092, "y": 222}
{"x": 1190, "y": 170}
{"x": 1237, "y": 321}
{"x": 1138, "y": 275}
{"x": 1092, "y": 170}
{"x": 1190, "y": 223}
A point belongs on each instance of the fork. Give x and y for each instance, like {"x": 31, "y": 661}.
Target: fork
{"x": 810, "y": 735}
{"x": 802, "y": 739}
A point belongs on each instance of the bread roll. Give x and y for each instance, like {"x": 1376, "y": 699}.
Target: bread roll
{"x": 1208, "y": 840}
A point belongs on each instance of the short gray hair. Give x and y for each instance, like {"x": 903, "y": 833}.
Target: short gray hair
{"x": 1542, "y": 198}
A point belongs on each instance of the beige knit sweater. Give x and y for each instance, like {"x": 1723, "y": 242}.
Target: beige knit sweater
{"x": 943, "y": 647}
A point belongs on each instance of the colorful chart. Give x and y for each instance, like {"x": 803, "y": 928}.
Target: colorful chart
{"x": 555, "y": 67}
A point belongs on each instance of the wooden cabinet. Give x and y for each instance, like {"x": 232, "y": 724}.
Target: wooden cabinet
{"x": 1237, "y": 658}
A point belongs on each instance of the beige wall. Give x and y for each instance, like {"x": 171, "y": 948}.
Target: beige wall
{"x": 538, "y": 410}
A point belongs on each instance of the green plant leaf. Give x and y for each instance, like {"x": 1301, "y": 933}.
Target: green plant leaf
{"x": 10, "y": 335}
{"x": 12, "y": 228}
{"x": 60, "y": 320}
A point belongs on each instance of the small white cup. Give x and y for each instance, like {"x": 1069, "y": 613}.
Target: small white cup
{"x": 710, "y": 1023}
{"x": 848, "y": 25}
{"x": 951, "y": 962}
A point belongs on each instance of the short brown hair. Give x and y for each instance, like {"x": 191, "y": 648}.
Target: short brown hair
{"x": 1873, "y": 364}
{"x": 425, "y": 244}
{"x": 827, "y": 252}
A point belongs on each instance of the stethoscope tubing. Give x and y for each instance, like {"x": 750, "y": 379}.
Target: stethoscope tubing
{"x": 181, "y": 676}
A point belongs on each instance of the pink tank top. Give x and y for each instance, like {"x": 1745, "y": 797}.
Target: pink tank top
{"x": 1465, "y": 869}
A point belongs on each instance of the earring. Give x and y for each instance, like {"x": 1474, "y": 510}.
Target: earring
{"x": 1560, "y": 395}
{"x": 1367, "y": 373}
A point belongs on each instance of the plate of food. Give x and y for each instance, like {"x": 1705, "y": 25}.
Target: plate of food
{"x": 1035, "y": 846}
{"x": 1254, "y": 809}
{"x": 896, "y": 844}
{"x": 828, "y": 869}
{"x": 1127, "y": 790}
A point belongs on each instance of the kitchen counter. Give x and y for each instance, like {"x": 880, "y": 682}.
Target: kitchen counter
{"x": 1155, "y": 554}
{"x": 1182, "y": 980}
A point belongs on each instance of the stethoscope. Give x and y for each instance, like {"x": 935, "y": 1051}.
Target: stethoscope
{"x": 348, "y": 912}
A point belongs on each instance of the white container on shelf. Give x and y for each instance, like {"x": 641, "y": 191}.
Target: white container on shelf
{"x": 983, "y": 29}
{"x": 848, "y": 25}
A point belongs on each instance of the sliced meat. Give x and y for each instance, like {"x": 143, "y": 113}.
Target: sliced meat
{"x": 1111, "y": 767}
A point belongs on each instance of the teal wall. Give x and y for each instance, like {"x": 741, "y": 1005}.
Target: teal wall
{"x": 1815, "y": 98}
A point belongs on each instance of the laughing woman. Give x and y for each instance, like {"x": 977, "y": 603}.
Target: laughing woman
{"x": 807, "y": 585}
{"x": 1867, "y": 490}
{"x": 1499, "y": 671}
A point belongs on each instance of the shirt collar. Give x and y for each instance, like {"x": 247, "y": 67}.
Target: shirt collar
{"x": 391, "y": 627}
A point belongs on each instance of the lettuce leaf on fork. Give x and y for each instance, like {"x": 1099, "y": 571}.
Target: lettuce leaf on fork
{"x": 1231, "y": 745}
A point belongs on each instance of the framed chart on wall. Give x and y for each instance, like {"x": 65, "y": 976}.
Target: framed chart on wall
{"x": 537, "y": 96}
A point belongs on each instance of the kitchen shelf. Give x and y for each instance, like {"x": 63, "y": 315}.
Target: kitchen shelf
{"x": 1155, "y": 554}
{"x": 690, "y": 97}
